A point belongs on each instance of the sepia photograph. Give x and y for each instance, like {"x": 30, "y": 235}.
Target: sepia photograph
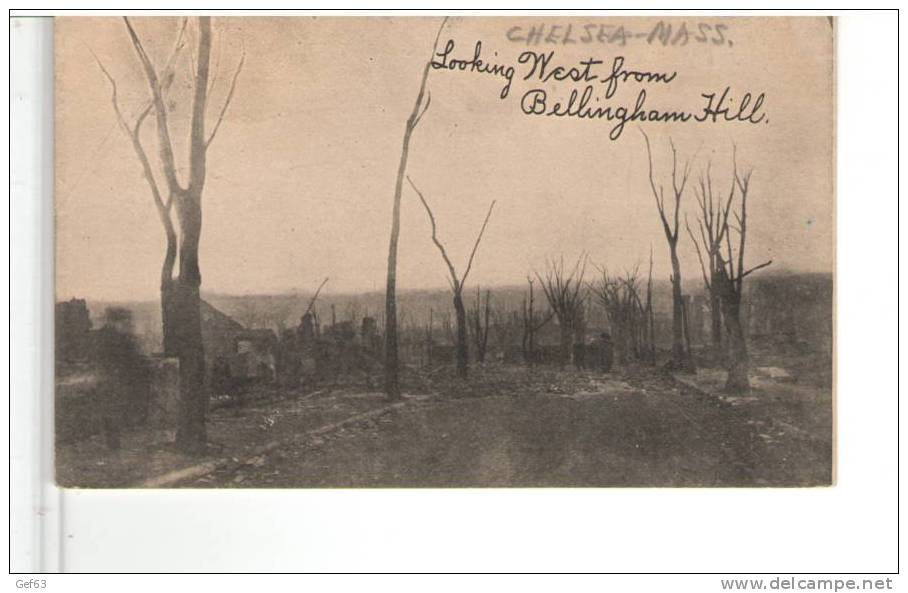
{"x": 444, "y": 251}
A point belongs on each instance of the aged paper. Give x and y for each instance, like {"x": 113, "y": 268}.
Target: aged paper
{"x": 428, "y": 251}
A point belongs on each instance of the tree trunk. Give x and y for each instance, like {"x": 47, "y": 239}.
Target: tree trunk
{"x": 715, "y": 311}
{"x": 635, "y": 335}
{"x": 187, "y": 338}
{"x": 481, "y": 326}
{"x": 168, "y": 319}
{"x": 529, "y": 332}
{"x": 620, "y": 340}
{"x": 191, "y": 433}
{"x": 529, "y": 342}
{"x": 677, "y": 311}
{"x": 685, "y": 310}
{"x": 680, "y": 357}
{"x": 567, "y": 340}
{"x": 651, "y": 328}
{"x": 480, "y": 352}
{"x": 392, "y": 361}
{"x": 461, "y": 315}
{"x": 167, "y": 304}
{"x": 485, "y": 330}
{"x": 738, "y": 364}
{"x": 392, "y": 377}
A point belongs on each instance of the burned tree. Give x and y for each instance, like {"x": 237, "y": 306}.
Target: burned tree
{"x": 730, "y": 276}
{"x": 648, "y": 312}
{"x": 564, "y": 292}
{"x": 624, "y": 310}
{"x": 712, "y": 222}
{"x": 531, "y": 325}
{"x": 457, "y": 283}
{"x": 180, "y": 298}
{"x": 392, "y": 362}
{"x": 681, "y": 358}
{"x": 479, "y": 316}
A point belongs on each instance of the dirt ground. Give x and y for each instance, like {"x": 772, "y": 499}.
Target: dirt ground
{"x": 234, "y": 432}
{"x": 512, "y": 426}
{"x": 507, "y": 425}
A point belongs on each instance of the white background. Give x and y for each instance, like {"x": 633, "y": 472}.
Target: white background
{"x": 851, "y": 527}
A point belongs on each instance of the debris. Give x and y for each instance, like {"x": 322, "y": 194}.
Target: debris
{"x": 776, "y": 374}
{"x": 256, "y": 461}
{"x": 737, "y": 400}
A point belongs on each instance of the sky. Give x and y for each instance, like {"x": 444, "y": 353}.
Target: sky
{"x": 301, "y": 175}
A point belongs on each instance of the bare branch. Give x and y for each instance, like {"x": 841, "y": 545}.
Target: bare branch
{"x": 113, "y": 90}
{"x": 424, "y": 108}
{"x": 418, "y": 109}
{"x": 652, "y": 181}
{"x": 544, "y": 321}
{"x": 699, "y": 253}
{"x": 134, "y": 135}
{"x": 165, "y": 147}
{"x": 731, "y": 256}
{"x": 216, "y": 71}
{"x": 478, "y": 239}
{"x": 166, "y": 78}
{"x": 755, "y": 268}
{"x": 197, "y": 145}
{"x": 217, "y": 124}
{"x": 678, "y": 188}
{"x": 743, "y": 183}
{"x": 455, "y": 283}
{"x": 563, "y": 290}
{"x": 315, "y": 296}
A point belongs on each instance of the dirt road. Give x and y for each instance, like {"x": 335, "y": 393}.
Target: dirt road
{"x": 607, "y": 433}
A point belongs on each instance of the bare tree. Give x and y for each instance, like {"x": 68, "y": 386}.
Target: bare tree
{"x": 564, "y": 292}
{"x": 180, "y": 297}
{"x": 457, "y": 283}
{"x": 730, "y": 276}
{"x": 531, "y": 325}
{"x": 624, "y": 309}
{"x": 634, "y": 313}
{"x": 648, "y": 311}
{"x": 479, "y": 316}
{"x": 392, "y": 362}
{"x": 712, "y": 222}
{"x": 681, "y": 357}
